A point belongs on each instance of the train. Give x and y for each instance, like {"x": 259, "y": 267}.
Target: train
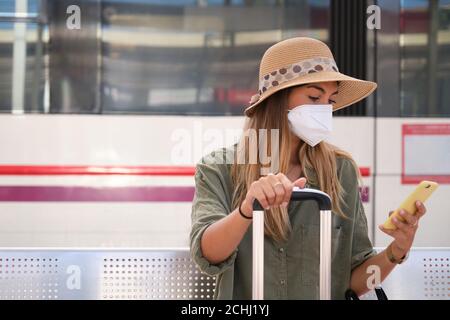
{"x": 101, "y": 127}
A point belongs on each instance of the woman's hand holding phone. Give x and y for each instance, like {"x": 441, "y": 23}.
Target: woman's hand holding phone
{"x": 403, "y": 223}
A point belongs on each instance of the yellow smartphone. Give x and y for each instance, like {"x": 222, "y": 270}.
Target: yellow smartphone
{"x": 421, "y": 193}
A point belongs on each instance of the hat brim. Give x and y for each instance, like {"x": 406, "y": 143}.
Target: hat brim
{"x": 350, "y": 90}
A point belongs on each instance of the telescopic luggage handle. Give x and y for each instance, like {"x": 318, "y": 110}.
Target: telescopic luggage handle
{"x": 324, "y": 202}
{"x": 322, "y": 199}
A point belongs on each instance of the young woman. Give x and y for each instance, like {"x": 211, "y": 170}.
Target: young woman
{"x": 299, "y": 87}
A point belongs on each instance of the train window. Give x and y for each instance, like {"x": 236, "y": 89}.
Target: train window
{"x": 151, "y": 56}
{"x": 195, "y": 57}
{"x": 425, "y": 58}
{"x": 21, "y": 75}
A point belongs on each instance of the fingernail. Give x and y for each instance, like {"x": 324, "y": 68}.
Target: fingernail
{"x": 268, "y": 207}
{"x": 402, "y": 212}
{"x": 284, "y": 204}
{"x": 418, "y": 203}
{"x": 395, "y": 219}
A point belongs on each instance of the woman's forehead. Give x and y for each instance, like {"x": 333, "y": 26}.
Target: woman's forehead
{"x": 325, "y": 86}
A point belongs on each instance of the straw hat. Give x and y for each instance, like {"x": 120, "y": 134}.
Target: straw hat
{"x": 298, "y": 61}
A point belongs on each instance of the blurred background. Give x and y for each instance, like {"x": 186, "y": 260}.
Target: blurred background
{"x": 93, "y": 119}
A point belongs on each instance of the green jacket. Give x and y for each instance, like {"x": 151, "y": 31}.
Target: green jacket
{"x": 291, "y": 269}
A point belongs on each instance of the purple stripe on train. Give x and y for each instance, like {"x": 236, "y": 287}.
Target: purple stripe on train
{"x": 97, "y": 194}
{"x": 107, "y": 194}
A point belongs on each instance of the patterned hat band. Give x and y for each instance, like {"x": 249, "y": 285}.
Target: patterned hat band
{"x": 292, "y": 71}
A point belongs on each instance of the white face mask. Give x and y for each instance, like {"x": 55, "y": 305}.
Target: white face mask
{"x": 311, "y": 122}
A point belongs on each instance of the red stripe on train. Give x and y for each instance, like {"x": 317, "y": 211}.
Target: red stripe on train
{"x": 365, "y": 171}
{"x": 97, "y": 170}
{"x": 30, "y": 170}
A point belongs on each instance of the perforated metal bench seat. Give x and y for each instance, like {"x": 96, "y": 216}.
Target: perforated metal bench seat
{"x": 101, "y": 274}
{"x": 43, "y": 273}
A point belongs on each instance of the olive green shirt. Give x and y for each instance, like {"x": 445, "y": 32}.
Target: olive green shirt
{"x": 291, "y": 268}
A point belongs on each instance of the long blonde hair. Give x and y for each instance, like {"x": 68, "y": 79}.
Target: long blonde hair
{"x": 318, "y": 163}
